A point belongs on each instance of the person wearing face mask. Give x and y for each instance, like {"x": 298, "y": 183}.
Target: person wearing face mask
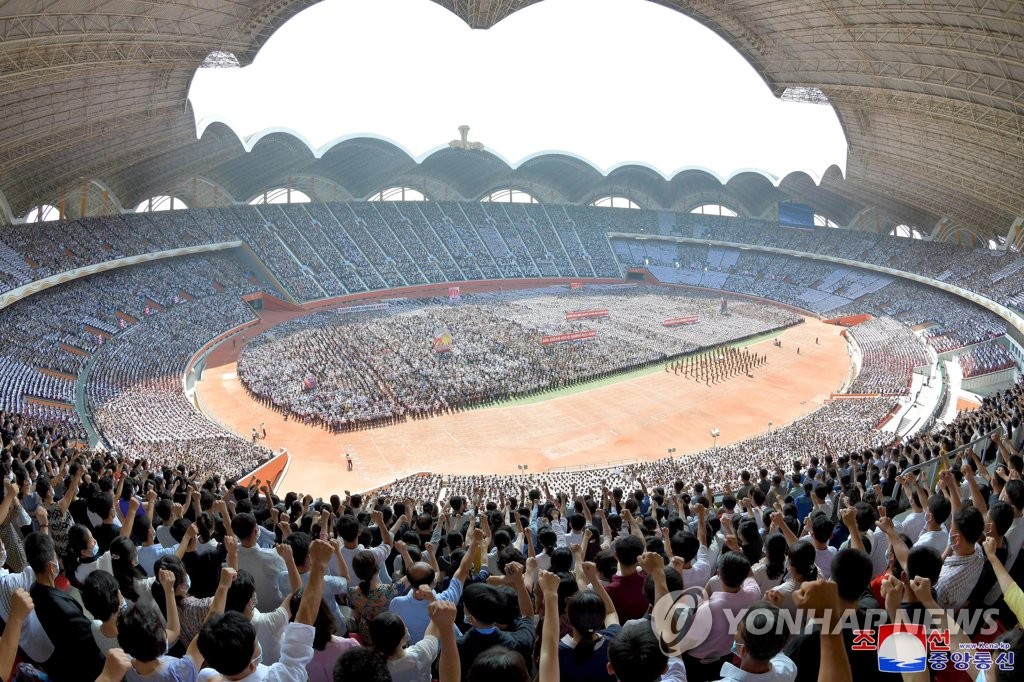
{"x": 62, "y": 618}
{"x": 964, "y": 559}
{"x": 81, "y": 556}
{"x": 124, "y": 565}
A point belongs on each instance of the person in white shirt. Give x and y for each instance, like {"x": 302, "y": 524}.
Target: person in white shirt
{"x": 691, "y": 553}
{"x": 1013, "y": 493}
{"x": 229, "y": 644}
{"x": 334, "y": 586}
{"x": 347, "y": 528}
{"x": 934, "y": 534}
{"x": 821, "y": 532}
{"x": 263, "y": 564}
{"x": 34, "y": 640}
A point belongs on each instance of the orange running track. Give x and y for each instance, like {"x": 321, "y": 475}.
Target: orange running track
{"x": 634, "y": 419}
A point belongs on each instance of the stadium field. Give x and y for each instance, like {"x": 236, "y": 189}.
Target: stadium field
{"x": 637, "y": 417}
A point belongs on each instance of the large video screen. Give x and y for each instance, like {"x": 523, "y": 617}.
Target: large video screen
{"x": 800, "y": 216}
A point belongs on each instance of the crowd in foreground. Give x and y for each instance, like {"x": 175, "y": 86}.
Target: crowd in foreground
{"x": 117, "y": 570}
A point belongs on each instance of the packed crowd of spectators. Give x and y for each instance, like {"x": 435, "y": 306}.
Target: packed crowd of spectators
{"x": 137, "y": 399}
{"x": 117, "y": 568}
{"x": 952, "y": 322}
{"x": 889, "y": 353}
{"x": 846, "y": 423}
{"x": 985, "y": 271}
{"x": 57, "y": 329}
{"x": 350, "y": 370}
{"x": 985, "y": 359}
{"x": 319, "y": 250}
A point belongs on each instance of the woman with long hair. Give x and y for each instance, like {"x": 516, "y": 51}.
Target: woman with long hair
{"x": 81, "y": 555}
{"x": 801, "y": 569}
{"x": 771, "y": 568}
{"x": 583, "y": 657}
{"x": 369, "y": 597}
{"x": 191, "y": 610}
{"x": 131, "y": 579}
{"x": 59, "y": 516}
{"x": 327, "y": 646}
{"x": 406, "y": 663}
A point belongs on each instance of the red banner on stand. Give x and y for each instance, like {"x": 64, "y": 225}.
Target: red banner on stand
{"x": 562, "y": 338}
{"x": 575, "y": 286}
{"x": 676, "y": 321}
{"x": 586, "y": 314}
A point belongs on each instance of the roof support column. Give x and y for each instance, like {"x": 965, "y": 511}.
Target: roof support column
{"x": 939, "y": 229}
{"x": 6, "y": 216}
{"x": 1015, "y": 236}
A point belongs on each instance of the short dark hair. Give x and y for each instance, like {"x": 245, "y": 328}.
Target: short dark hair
{"x": 606, "y": 563}
{"x": 866, "y": 516}
{"x": 99, "y": 595}
{"x": 483, "y": 602}
{"x": 636, "y": 655}
{"x": 347, "y": 527}
{"x": 360, "y": 663}
{"x": 228, "y": 642}
{"x": 498, "y": 664}
{"x": 685, "y": 545}
{"x": 628, "y": 549}
{"x": 141, "y": 633}
{"x": 925, "y": 562}
{"x": 733, "y": 568}
{"x": 1001, "y": 515}
{"x": 852, "y": 571}
{"x": 970, "y": 523}
{"x": 1015, "y": 492}
{"x": 940, "y": 508}
{"x": 763, "y": 639}
{"x": 821, "y": 527}
{"x": 241, "y": 592}
{"x": 299, "y": 542}
{"x": 243, "y": 526}
{"x": 40, "y": 551}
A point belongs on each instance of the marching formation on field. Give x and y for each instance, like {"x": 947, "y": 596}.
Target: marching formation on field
{"x": 717, "y": 364}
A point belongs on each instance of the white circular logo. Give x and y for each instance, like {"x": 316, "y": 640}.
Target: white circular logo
{"x": 678, "y": 621}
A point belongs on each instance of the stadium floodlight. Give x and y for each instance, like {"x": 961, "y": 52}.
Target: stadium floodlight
{"x": 715, "y": 433}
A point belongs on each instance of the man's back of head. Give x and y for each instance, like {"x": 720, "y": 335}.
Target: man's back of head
{"x": 635, "y": 655}
{"x": 228, "y": 643}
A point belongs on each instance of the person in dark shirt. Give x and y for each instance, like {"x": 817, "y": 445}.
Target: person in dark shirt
{"x": 103, "y": 506}
{"x": 484, "y": 609}
{"x": 851, "y": 571}
{"x": 77, "y": 657}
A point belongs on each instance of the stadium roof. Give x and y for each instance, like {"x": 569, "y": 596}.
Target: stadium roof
{"x": 930, "y": 94}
